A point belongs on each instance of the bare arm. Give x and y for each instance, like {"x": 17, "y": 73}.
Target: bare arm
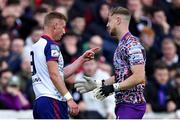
{"x": 56, "y": 78}
{"x": 136, "y": 78}
{"x": 110, "y": 81}
{"x": 70, "y": 69}
{"x": 60, "y": 85}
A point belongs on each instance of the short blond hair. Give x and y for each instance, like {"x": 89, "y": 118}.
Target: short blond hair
{"x": 120, "y": 10}
{"x": 54, "y": 15}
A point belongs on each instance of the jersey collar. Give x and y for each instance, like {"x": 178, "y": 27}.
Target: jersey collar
{"x": 49, "y": 39}
{"x": 125, "y": 37}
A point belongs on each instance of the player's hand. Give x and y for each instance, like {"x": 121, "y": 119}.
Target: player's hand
{"x": 73, "y": 107}
{"x": 102, "y": 92}
{"x": 88, "y": 85}
{"x": 89, "y": 54}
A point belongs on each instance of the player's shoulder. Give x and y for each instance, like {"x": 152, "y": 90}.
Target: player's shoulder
{"x": 134, "y": 42}
{"x": 40, "y": 42}
{"x": 49, "y": 44}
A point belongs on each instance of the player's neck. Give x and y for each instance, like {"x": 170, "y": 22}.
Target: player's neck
{"x": 122, "y": 33}
{"x": 49, "y": 35}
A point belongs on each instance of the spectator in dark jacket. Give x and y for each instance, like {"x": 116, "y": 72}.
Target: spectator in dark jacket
{"x": 147, "y": 36}
{"x": 177, "y": 89}
{"x": 169, "y": 51}
{"x": 160, "y": 25}
{"x": 158, "y": 92}
{"x": 176, "y": 36}
{"x": 13, "y": 59}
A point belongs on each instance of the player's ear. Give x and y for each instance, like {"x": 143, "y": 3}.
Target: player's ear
{"x": 118, "y": 19}
{"x": 55, "y": 25}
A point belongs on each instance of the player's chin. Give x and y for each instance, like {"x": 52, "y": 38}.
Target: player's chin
{"x": 59, "y": 37}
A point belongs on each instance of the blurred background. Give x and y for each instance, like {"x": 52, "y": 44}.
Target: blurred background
{"x": 155, "y": 22}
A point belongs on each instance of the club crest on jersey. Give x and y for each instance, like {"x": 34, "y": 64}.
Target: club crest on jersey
{"x": 54, "y": 53}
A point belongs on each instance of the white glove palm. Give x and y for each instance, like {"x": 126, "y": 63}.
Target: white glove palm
{"x": 88, "y": 85}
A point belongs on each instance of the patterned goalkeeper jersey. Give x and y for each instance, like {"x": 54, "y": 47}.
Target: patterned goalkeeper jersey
{"x": 128, "y": 53}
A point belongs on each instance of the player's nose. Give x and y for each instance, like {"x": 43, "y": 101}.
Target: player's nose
{"x": 107, "y": 27}
{"x": 64, "y": 31}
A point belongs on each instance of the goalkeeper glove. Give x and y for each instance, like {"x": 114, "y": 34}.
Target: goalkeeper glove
{"x": 102, "y": 92}
{"x": 88, "y": 85}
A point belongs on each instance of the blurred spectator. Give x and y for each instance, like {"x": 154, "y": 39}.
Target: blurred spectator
{"x": 5, "y": 76}
{"x": 14, "y": 21}
{"x": 158, "y": 92}
{"x": 106, "y": 67}
{"x": 13, "y": 59}
{"x": 63, "y": 10}
{"x": 48, "y": 5}
{"x": 25, "y": 73}
{"x": 147, "y": 36}
{"x": 160, "y": 25}
{"x": 175, "y": 8}
{"x": 25, "y": 79}
{"x": 66, "y": 3}
{"x": 104, "y": 108}
{"x": 3, "y": 64}
{"x": 138, "y": 20}
{"x": 98, "y": 26}
{"x": 2, "y": 4}
{"x": 173, "y": 71}
{"x": 27, "y": 9}
{"x": 34, "y": 37}
{"x": 170, "y": 56}
{"x": 147, "y": 3}
{"x": 11, "y": 97}
{"x": 39, "y": 16}
{"x": 69, "y": 48}
{"x": 78, "y": 25}
{"x": 176, "y": 36}
{"x": 96, "y": 42}
{"x": 17, "y": 46}
{"x": 177, "y": 89}
{"x": 159, "y": 18}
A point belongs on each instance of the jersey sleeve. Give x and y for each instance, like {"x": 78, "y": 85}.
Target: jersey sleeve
{"x": 52, "y": 52}
{"x": 136, "y": 53}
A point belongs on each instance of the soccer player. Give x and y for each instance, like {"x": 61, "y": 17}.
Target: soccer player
{"x": 52, "y": 97}
{"x": 129, "y": 68}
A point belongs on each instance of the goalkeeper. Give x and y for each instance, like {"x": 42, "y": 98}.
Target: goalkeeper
{"x": 129, "y": 68}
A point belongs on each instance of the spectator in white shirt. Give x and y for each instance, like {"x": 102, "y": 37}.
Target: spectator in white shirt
{"x": 105, "y": 108}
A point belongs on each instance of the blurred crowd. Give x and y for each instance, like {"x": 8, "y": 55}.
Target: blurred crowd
{"x": 155, "y": 22}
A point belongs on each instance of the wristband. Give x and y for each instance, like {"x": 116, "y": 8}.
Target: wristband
{"x": 68, "y": 96}
{"x": 116, "y": 87}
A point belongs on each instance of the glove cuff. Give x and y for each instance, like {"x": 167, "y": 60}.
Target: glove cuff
{"x": 116, "y": 87}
